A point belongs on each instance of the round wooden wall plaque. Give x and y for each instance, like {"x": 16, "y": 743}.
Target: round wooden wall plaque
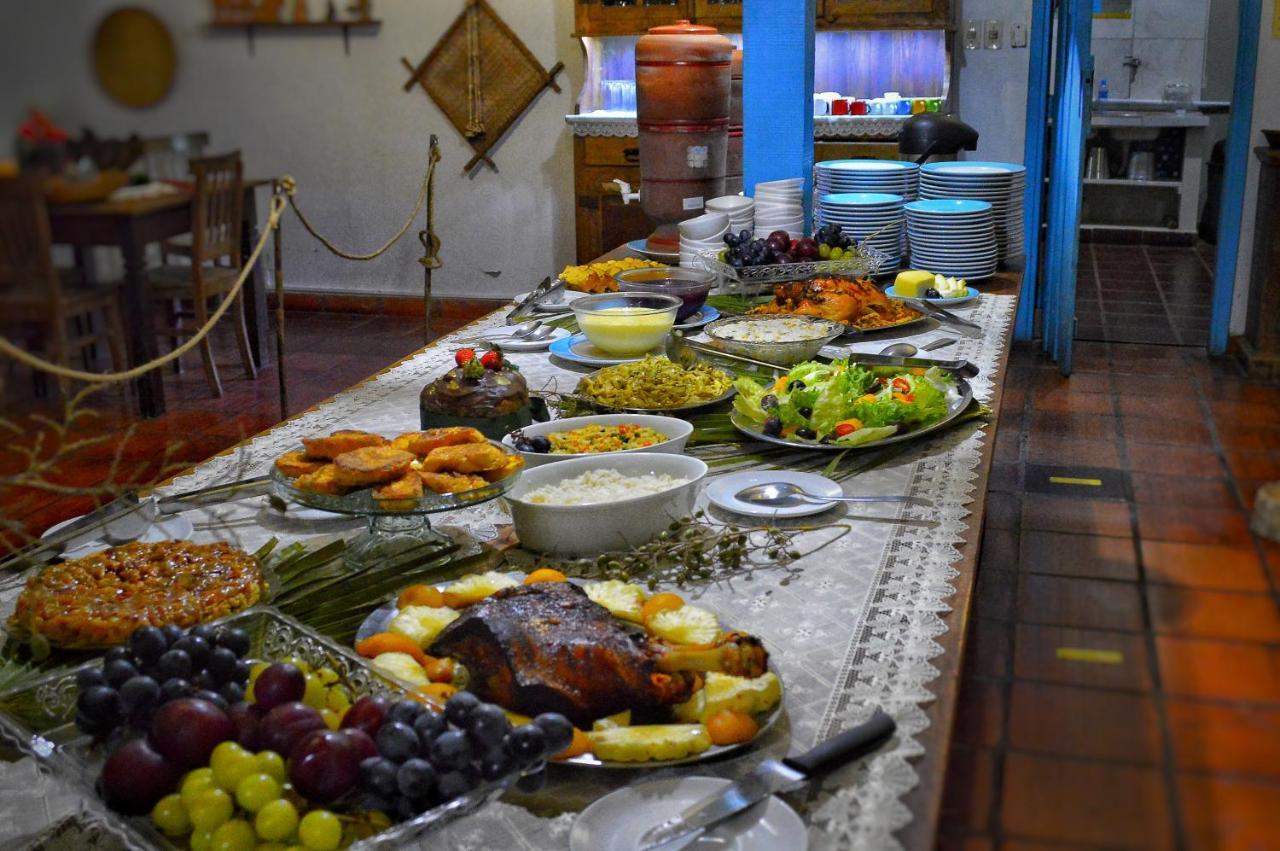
{"x": 134, "y": 57}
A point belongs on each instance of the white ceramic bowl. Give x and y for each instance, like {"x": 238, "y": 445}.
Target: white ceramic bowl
{"x": 588, "y": 530}
{"x": 676, "y": 430}
{"x": 730, "y": 204}
{"x": 706, "y": 226}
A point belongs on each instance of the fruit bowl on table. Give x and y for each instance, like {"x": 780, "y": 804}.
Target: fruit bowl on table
{"x": 676, "y": 432}
{"x": 866, "y": 263}
{"x": 38, "y": 719}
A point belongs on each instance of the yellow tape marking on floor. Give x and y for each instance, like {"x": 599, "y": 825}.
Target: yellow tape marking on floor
{"x": 1096, "y": 657}
{"x": 1069, "y": 480}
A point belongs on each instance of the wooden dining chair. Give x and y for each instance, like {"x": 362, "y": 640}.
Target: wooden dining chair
{"x": 35, "y": 292}
{"x": 214, "y": 261}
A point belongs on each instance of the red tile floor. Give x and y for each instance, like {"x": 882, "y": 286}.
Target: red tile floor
{"x": 1121, "y": 686}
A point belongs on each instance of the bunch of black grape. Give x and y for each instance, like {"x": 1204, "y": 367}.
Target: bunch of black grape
{"x": 427, "y": 758}
{"x": 743, "y": 251}
{"x": 831, "y": 236}
{"x": 159, "y": 665}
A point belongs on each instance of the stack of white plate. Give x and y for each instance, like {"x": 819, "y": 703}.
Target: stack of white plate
{"x": 740, "y": 210}
{"x": 871, "y": 217}
{"x": 956, "y": 238}
{"x": 884, "y": 176}
{"x": 780, "y": 206}
{"x": 701, "y": 234}
{"x": 1000, "y": 184}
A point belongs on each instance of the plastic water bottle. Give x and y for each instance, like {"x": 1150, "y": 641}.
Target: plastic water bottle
{"x": 1102, "y": 90}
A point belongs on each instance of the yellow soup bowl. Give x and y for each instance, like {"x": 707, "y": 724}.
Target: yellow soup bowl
{"x": 626, "y": 324}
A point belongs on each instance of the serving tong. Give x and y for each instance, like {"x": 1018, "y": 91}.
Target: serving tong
{"x": 686, "y": 352}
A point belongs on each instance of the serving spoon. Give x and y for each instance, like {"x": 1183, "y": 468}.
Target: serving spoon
{"x": 788, "y": 495}
{"x": 907, "y": 350}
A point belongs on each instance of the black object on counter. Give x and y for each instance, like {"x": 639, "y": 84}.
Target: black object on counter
{"x": 932, "y": 133}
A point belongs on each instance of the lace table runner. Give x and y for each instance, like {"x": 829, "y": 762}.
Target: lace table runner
{"x": 853, "y": 630}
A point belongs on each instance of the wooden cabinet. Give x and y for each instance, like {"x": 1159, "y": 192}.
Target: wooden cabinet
{"x": 603, "y": 221}
{"x": 852, "y": 150}
{"x": 596, "y": 18}
{"x": 884, "y": 14}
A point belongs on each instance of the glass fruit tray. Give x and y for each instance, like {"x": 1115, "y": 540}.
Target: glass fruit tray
{"x": 750, "y": 279}
{"x": 37, "y": 719}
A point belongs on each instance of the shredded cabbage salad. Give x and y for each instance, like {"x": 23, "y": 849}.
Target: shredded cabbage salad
{"x": 844, "y": 404}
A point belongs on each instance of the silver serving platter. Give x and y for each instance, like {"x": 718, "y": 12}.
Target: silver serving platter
{"x": 378, "y": 620}
{"x": 958, "y": 399}
{"x": 681, "y": 409}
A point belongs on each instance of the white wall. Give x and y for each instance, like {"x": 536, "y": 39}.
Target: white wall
{"x": 1167, "y": 35}
{"x": 341, "y": 125}
{"x": 1266, "y": 114}
{"x": 991, "y": 85}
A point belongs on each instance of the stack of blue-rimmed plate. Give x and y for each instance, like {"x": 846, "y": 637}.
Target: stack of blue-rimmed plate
{"x": 885, "y": 176}
{"x": 956, "y": 238}
{"x": 871, "y": 217}
{"x": 1000, "y": 184}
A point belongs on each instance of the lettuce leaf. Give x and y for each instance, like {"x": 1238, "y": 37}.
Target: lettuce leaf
{"x": 747, "y": 400}
{"x": 865, "y": 435}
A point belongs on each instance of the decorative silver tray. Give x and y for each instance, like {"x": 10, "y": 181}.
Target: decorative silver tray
{"x": 751, "y": 279}
{"x": 37, "y": 719}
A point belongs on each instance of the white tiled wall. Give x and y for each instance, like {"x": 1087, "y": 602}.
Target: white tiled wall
{"x": 1167, "y": 35}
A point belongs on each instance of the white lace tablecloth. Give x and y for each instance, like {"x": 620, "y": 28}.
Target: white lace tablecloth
{"x": 853, "y": 631}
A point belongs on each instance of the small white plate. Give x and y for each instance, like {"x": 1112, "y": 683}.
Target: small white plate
{"x": 557, "y": 305}
{"x": 512, "y": 344}
{"x": 969, "y": 295}
{"x": 616, "y": 821}
{"x": 581, "y": 350}
{"x": 722, "y": 489}
{"x": 640, "y": 246}
{"x": 173, "y": 527}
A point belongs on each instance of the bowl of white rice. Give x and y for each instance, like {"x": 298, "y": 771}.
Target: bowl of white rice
{"x": 586, "y": 506}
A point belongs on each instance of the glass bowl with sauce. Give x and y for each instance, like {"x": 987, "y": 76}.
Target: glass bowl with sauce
{"x": 691, "y": 286}
{"x": 626, "y": 324}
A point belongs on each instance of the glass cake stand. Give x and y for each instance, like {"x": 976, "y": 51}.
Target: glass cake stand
{"x": 393, "y": 528}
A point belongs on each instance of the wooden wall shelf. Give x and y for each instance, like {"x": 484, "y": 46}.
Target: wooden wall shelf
{"x": 346, "y": 27}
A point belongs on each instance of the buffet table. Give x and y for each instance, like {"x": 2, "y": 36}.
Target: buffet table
{"x": 876, "y": 617}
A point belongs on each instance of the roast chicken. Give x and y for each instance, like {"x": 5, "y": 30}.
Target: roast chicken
{"x": 548, "y": 648}
{"x": 858, "y": 303}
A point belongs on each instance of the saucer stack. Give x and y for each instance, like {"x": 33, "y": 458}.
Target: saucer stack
{"x": 700, "y": 235}
{"x": 999, "y": 184}
{"x": 955, "y": 238}
{"x": 779, "y": 205}
{"x": 740, "y": 210}
{"x": 872, "y": 217}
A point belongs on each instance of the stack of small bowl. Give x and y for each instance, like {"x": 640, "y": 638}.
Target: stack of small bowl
{"x": 780, "y": 206}
{"x": 740, "y": 210}
{"x": 701, "y": 235}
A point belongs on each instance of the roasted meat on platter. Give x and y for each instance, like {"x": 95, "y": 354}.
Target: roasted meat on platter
{"x": 858, "y": 303}
{"x": 548, "y": 648}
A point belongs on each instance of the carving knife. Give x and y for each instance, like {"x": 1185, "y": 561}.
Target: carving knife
{"x": 768, "y": 778}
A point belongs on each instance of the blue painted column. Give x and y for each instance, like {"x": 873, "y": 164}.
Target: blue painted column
{"x": 777, "y": 95}
{"x": 1034, "y": 156}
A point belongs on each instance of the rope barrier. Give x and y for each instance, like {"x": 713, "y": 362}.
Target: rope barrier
{"x": 287, "y": 189}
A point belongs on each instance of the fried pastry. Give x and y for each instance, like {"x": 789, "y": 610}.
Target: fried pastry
{"x": 294, "y": 464}
{"x": 421, "y": 443}
{"x": 451, "y": 482}
{"x": 324, "y": 480}
{"x": 513, "y": 463}
{"x": 372, "y": 465}
{"x": 401, "y": 493}
{"x": 346, "y": 440}
{"x": 466, "y": 458}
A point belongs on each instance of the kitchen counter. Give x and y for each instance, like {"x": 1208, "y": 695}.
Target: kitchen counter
{"x": 623, "y": 125}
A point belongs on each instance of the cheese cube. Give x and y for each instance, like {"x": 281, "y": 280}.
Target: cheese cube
{"x": 912, "y": 284}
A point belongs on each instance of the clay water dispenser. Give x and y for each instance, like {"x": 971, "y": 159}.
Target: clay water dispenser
{"x": 682, "y": 109}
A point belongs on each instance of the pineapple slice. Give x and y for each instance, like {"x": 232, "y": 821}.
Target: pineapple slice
{"x": 622, "y": 719}
{"x": 693, "y": 710}
{"x": 401, "y": 666}
{"x": 421, "y": 624}
{"x": 622, "y": 600}
{"x": 649, "y": 742}
{"x": 473, "y": 589}
{"x": 685, "y": 625}
{"x": 752, "y": 696}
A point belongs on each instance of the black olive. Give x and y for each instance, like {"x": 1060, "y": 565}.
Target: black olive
{"x": 795, "y": 385}
{"x": 932, "y": 293}
{"x": 773, "y": 426}
{"x": 806, "y": 433}
{"x": 805, "y": 412}
{"x": 826, "y": 439}
{"x": 768, "y": 401}
{"x": 540, "y": 444}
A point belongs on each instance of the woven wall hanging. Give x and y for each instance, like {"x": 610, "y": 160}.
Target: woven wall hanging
{"x": 482, "y": 77}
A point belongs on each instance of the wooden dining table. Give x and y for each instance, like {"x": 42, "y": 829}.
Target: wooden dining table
{"x": 131, "y": 225}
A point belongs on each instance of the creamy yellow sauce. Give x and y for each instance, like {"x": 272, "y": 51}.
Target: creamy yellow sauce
{"x": 626, "y": 330}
